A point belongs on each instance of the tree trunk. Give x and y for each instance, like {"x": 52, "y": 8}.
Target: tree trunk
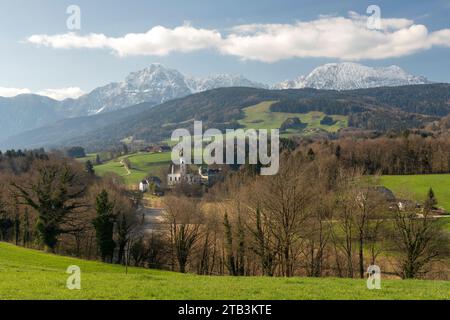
{"x": 361, "y": 256}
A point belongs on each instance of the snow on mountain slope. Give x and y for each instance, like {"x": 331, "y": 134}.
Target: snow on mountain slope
{"x": 155, "y": 84}
{"x": 348, "y": 76}
{"x": 221, "y": 81}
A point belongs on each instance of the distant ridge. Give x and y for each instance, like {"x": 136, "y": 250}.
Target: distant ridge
{"x": 350, "y": 76}
{"x": 158, "y": 84}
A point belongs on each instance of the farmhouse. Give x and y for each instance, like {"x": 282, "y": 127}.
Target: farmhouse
{"x": 157, "y": 149}
{"x": 145, "y": 184}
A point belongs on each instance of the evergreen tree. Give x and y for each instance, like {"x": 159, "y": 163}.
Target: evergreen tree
{"x": 311, "y": 155}
{"x": 241, "y": 248}
{"x": 26, "y": 228}
{"x": 431, "y": 201}
{"x": 16, "y": 228}
{"x": 123, "y": 236}
{"x": 90, "y": 168}
{"x": 104, "y": 226}
{"x": 5, "y": 222}
{"x": 338, "y": 152}
{"x": 231, "y": 261}
{"x": 16, "y": 222}
{"x": 55, "y": 195}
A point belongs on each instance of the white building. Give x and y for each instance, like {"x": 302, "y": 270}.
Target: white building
{"x": 178, "y": 174}
{"x": 143, "y": 186}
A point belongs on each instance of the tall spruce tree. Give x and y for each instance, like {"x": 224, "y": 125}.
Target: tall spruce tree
{"x": 104, "y": 226}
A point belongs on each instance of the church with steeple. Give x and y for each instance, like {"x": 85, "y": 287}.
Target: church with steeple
{"x": 179, "y": 174}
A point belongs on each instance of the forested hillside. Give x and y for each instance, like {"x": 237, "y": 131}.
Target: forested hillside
{"x": 380, "y": 109}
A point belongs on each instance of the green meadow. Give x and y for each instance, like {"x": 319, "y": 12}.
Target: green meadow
{"x": 142, "y": 165}
{"x": 417, "y": 186}
{"x": 89, "y": 157}
{"x": 30, "y": 274}
{"x": 260, "y": 117}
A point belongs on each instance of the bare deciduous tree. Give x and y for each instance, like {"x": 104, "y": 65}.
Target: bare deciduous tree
{"x": 418, "y": 240}
{"x": 183, "y": 217}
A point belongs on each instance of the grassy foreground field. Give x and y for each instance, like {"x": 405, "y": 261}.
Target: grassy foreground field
{"x": 29, "y": 274}
{"x": 418, "y": 186}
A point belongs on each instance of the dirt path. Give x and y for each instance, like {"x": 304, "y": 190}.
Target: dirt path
{"x": 126, "y": 167}
{"x": 151, "y": 218}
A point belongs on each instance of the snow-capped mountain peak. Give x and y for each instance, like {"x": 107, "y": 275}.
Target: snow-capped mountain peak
{"x": 155, "y": 84}
{"x": 154, "y": 74}
{"x": 348, "y": 76}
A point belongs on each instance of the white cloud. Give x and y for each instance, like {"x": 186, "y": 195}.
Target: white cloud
{"x": 441, "y": 38}
{"x": 12, "y": 92}
{"x": 61, "y": 94}
{"x": 56, "y": 94}
{"x": 346, "y": 38}
{"x": 386, "y": 23}
{"x": 330, "y": 37}
{"x": 158, "y": 41}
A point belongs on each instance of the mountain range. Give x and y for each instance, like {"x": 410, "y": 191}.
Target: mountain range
{"x": 375, "y": 109}
{"x": 350, "y": 76}
{"x": 158, "y": 84}
{"x": 155, "y": 84}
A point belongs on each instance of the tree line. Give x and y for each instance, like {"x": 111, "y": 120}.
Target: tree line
{"x": 315, "y": 218}
{"x": 399, "y": 155}
{"x": 318, "y": 217}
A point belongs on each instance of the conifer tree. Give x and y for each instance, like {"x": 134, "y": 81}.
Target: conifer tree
{"x": 104, "y": 226}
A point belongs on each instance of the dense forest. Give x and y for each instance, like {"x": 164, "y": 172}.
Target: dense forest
{"x": 407, "y": 154}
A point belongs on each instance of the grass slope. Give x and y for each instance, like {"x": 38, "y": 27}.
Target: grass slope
{"x": 29, "y": 274}
{"x": 90, "y": 156}
{"x": 142, "y": 165}
{"x": 418, "y": 186}
{"x": 260, "y": 117}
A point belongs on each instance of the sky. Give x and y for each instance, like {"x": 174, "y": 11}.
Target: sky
{"x": 265, "y": 40}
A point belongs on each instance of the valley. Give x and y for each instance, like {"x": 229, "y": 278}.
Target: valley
{"x": 225, "y": 226}
{"x": 195, "y": 155}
